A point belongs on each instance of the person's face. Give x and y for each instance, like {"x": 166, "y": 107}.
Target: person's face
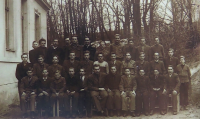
{"x": 182, "y": 61}
{"x": 42, "y": 43}
{"x": 71, "y": 72}
{"x": 142, "y": 41}
{"x": 55, "y": 60}
{"x": 87, "y": 41}
{"x": 156, "y": 56}
{"x": 24, "y": 58}
{"x": 157, "y": 41}
{"x": 86, "y": 56}
{"x": 45, "y": 73}
{"x": 128, "y": 56}
{"x": 41, "y": 60}
{"x": 156, "y": 72}
{"x": 113, "y": 70}
{"x": 113, "y": 57}
{"x": 35, "y": 45}
{"x": 141, "y": 72}
{"x": 103, "y": 44}
{"x": 67, "y": 41}
{"x": 57, "y": 75}
{"x": 96, "y": 70}
{"x": 72, "y": 56}
{"x": 55, "y": 43}
{"x": 29, "y": 73}
{"x": 100, "y": 57}
{"x": 130, "y": 42}
{"x": 74, "y": 40}
{"x": 117, "y": 39}
{"x": 142, "y": 56}
{"x": 127, "y": 72}
{"x": 82, "y": 72}
{"x": 170, "y": 70}
{"x": 170, "y": 53}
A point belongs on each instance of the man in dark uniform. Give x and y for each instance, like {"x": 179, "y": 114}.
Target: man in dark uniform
{"x": 38, "y": 67}
{"x": 170, "y": 59}
{"x": 143, "y": 48}
{"x": 28, "y": 87}
{"x": 55, "y": 66}
{"x": 128, "y": 86}
{"x": 42, "y": 49}
{"x": 112, "y": 87}
{"x": 21, "y": 71}
{"x": 117, "y": 48}
{"x": 116, "y": 63}
{"x": 129, "y": 63}
{"x": 156, "y": 89}
{"x": 157, "y": 48}
{"x": 55, "y": 50}
{"x": 66, "y": 48}
{"x": 142, "y": 93}
{"x": 88, "y": 47}
{"x": 130, "y": 47}
{"x": 96, "y": 84}
{"x": 73, "y": 85}
{"x": 32, "y": 53}
{"x": 78, "y": 49}
{"x": 172, "y": 86}
{"x": 86, "y": 63}
{"x": 44, "y": 92}
{"x": 142, "y": 64}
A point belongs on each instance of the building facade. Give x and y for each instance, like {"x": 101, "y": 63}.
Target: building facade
{"x": 21, "y": 22}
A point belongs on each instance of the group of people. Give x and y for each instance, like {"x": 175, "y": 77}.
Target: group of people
{"x": 115, "y": 79}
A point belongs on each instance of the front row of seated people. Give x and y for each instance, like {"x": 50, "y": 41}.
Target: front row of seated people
{"x": 108, "y": 92}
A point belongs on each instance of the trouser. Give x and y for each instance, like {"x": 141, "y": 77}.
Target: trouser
{"x": 174, "y": 99}
{"x": 84, "y": 101}
{"x": 60, "y": 97}
{"x": 74, "y": 97}
{"x": 100, "y": 105}
{"x": 43, "y": 102}
{"x": 142, "y": 97}
{"x": 114, "y": 100}
{"x": 184, "y": 88}
{"x": 28, "y": 98}
{"x": 161, "y": 98}
{"x": 19, "y": 92}
{"x": 125, "y": 102}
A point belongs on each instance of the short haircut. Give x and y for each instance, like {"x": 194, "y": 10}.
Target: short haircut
{"x": 30, "y": 69}
{"x": 71, "y": 68}
{"x": 182, "y": 57}
{"x": 170, "y": 66}
{"x": 72, "y": 52}
{"x": 82, "y": 68}
{"x": 130, "y": 39}
{"x": 41, "y": 56}
{"x": 112, "y": 53}
{"x": 113, "y": 66}
{"x": 74, "y": 35}
{"x": 56, "y": 56}
{"x": 96, "y": 65}
{"x": 24, "y": 54}
{"x": 45, "y": 69}
{"x": 156, "y": 53}
{"x": 67, "y": 38}
{"x": 87, "y": 51}
{"x": 57, "y": 71}
{"x": 55, "y": 39}
{"x": 127, "y": 53}
{"x": 99, "y": 53}
{"x": 34, "y": 42}
{"x": 142, "y": 53}
{"x": 171, "y": 49}
{"x": 157, "y": 37}
{"x": 42, "y": 40}
{"x": 127, "y": 68}
{"x": 117, "y": 35}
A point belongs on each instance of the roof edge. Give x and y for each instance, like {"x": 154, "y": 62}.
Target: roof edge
{"x": 44, "y": 4}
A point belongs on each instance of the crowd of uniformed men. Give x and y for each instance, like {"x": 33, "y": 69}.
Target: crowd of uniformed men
{"x": 103, "y": 77}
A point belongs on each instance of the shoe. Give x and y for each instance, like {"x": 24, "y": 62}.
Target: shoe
{"x": 146, "y": 113}
{"x": 133, "y": 114}
{"x": 89, "y": 115}
{"x": 175, "y": 113}
{"x": 186, "y": 108}
{"x": 118, "y": 113}
{"x": 138, "y": 114}
{"x": 162, "y": 112}
{"x": 151, "y": 112}
{"x": 111, "y": 113}
{"x": 125, "y": 114}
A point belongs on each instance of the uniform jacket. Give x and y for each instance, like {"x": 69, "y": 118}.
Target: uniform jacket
{"x": 37, "y": 69}
{"x": 159, "y": 49}
{"x": 146, "y": 49}
{"x": 132, "y": 50}
{"x": 112, "y": 81}
{"x": 130, "y": 64}
{"x": 96, "y": 81}
{"x": 88, "y": 66}
{"x": 73, "y": 83}
{"x": 84, "y": 82}
{"x": 28, "y": 85}
{"x": 157, "y": 65}
{"x": 142, "y": 83}
{"x": 128, "y": 83}
{"x": 52, "y": 52}
{"x": 67, "y": 64}
{"x": 21, "y": 70}
{"x": 144, "y": 66}
{"x": 41, "y": 51}
{"x": 118, "y": 49}
{"x": 157, "y": 82}
{"x": 118, "y": 65}
{"x": 78, "y": 49}
{"x": 33, "y": 56}
{"x": 53, "y": 68}
{"x": 92, "y": 51}
{"x": 58, "y": 85}
{"x": 173, "y": 61}
{"x": 44, "y": 85}
{"x": 184, "y": 73}
{"x": 172, "y": 83}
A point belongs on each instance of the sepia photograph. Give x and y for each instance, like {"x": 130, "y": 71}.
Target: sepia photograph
{"x": 99, "y": 59}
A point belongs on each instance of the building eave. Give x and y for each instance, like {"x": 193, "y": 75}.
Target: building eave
{"x": 44, "y": 4}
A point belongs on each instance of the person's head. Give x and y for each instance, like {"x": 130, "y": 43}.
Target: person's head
{"x": 170, "y": 69}
{"x": 42, "y": 42}
{"x": 57, "y": 74}
{"x": 35, "y": 44}
{"x": 87, "y": 55}
{"x": 71, "y": 71}
{"x": 156, "y": 72}
{"x": 45, "y": 72}
{"x": 82, "y": 71}
{"x": 29, "y": 72}
{"x": 128, "y": 56}
{"x": 130, "y": 42}
{"x": 24, "y": 57}
{"x": 182, "y": 60}
{"x": 157, "y": 41}
{"x": 67, "y": 41}
{"x": 100, "y": 57}
{"x": 96, "y": 69}
{"x": 156, "y": 56}
{"x": 87, "y": 41}
{"x": 72, "y": 55}
{"x": 55, "y": 42}
{"x": 142, "y": 56}
{"x": 113, "y": 56}
{"x": 142, "y": 41}
{"x": 55, "y": 59}
{"x": 103, "y": 44}
{"x": 117, "y": 38}
{"x": 41, "y": 59}
{"x": 170, "y": 52}
{"x": 141, "y": 72}
{"x": 127, "y": 71}
{"x": 113, "y": 69}
{"x": 74, "y": 39}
